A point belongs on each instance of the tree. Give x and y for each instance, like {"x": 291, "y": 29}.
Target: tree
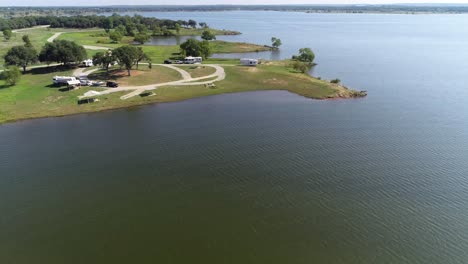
{"x": 140, "y": 56}
{"x": 300, "y": 66}
{"x": 21, "y": 56}
{"x": 127, "y": 56}
{"x": 305, "y": 55}
{"x": 203, "y": 25}
{"x": 104, "y": 59}
{"x": 7, "y": 33}
{"x": 193, "y": 47}
{"x": 11, "y": 75}
{"x": 275, "y": 42}
{"x": 108, "y": 24}
{"x": 177, "y": 28}
{"x": 115, "y": 36}
{"x": 208, "y": 35}
{"x": 141, "y": 38}
{"x": 192, "y": 23}
{"x": 27, "y": 41}
{"x": 62, "y": 51}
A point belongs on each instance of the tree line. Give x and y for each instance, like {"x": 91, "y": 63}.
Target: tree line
{"x": 106, "y": 22}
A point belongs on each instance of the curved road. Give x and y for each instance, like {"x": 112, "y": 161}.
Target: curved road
{"x": 136, "y": 90}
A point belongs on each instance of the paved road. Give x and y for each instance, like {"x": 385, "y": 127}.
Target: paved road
{"x": 186, "y": 80}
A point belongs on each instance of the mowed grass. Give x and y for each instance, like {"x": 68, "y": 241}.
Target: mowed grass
{"x": 34, "y": 96}
{"x": 219, "y": 46}
{"x": 143, "y": 76}
{"x": 198, "y": 70}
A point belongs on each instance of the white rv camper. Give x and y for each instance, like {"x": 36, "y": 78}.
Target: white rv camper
{"x": 192, "y": 60}
{"x": 63, "y": 79}
{"x": 249, "y": 62}
{"x": 87, "y": 63}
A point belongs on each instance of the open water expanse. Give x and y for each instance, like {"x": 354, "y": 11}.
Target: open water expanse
{"x": 261, "y": 177}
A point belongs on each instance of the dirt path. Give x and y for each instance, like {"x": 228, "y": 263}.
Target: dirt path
{"x": 30, "y": 28}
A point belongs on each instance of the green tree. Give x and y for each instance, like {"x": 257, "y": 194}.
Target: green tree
{"x": 275, "y": 42}
{"x": 11, "y": 75}
{"x": 300, "y": 66}
{"x": 177, "y": 28}
{"x": 7, "y": 33}
{"x": 115, "y": 36}
{"x": 192, "y": 23}
{"x": 108, "y": 24}
{"x": 104, "y": 59}
{"x": 21, "y": 56}
{"x": 140, "y": 56}
{"x": 141, "y": 38}
{"x": 127, "y": 56}
{"x": 203, "y": 25}
{"x": 27, "y": 41}
{"x": 62, "y": 51}
{"x": 193, "y": 47}
{"x": 208, "y": 35}
{"x": 305, "y": 55}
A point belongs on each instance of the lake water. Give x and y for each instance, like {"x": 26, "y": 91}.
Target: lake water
{"x": 261, "y": 177}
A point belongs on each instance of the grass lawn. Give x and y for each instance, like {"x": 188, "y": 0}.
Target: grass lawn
{"x": 143, "y": 76}
{"x": 219, "y": 46}
{"x": 198, "y": 70}
{"x": 34, "y": 96}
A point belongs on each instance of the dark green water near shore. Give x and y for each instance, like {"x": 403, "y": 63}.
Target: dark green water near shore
{"x": 260, "y": 177}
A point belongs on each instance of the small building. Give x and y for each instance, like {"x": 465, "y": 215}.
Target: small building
{"x": 87, "y": 63}
{"x": 249, "y": 62}
{"x": 192, "y": 60}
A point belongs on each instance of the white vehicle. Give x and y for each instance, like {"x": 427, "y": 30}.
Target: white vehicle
{"x": 249, "y": 62}
{"x": 87, "y": 63}
{"x": 63, "y": 79}
{"x": 193, "y": 60}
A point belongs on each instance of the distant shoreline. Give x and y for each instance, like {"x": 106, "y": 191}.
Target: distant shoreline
{"x": 409, "y": 9}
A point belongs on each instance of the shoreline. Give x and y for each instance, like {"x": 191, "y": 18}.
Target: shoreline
{"x": 149, "y": 104}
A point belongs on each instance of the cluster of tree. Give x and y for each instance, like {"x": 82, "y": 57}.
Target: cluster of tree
{"x": 109, "y": 22}
{"x": 127, "y": 56}
{"x": 22, "y": 55}
{"x": 60, "y": 51}
{"x": 304, "y": 60}
{"x": 196, "y": 48}
{"x": 208, "y": 35}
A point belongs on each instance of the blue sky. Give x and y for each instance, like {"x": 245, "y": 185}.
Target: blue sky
{"x": 203, "y": 2}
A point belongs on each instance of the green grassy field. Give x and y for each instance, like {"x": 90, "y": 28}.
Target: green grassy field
{"x": 198, "y": 70}
{"x": 34, "y": 96}
{"x": 143, "y": 76}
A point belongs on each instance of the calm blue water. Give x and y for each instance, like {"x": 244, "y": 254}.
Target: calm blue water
{"x": 261, "y": 177}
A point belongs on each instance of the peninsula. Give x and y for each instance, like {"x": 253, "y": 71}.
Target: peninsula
{"x": 33, "y": 95}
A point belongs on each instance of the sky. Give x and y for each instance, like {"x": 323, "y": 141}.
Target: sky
{"x": 206, "y": 2}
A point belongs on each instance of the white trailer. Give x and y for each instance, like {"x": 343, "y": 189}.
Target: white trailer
{"x": 87, "y": 63}
{"x": 63, "y": 79}
{"x": 249, "y": 62}
{"x": 192, "y": 60}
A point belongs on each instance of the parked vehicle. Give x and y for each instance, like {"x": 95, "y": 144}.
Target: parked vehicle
{"x": 97, "y": 83}
{"x": 87, "y": 63}
{"x": 62, "y": 80}
{"x": 192, "y": 60}
{"x": 249, "y": 62}
{"x": 167, "y": 62}
{"x": 178, "y": 62}
{"x": 112, "y": 84}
